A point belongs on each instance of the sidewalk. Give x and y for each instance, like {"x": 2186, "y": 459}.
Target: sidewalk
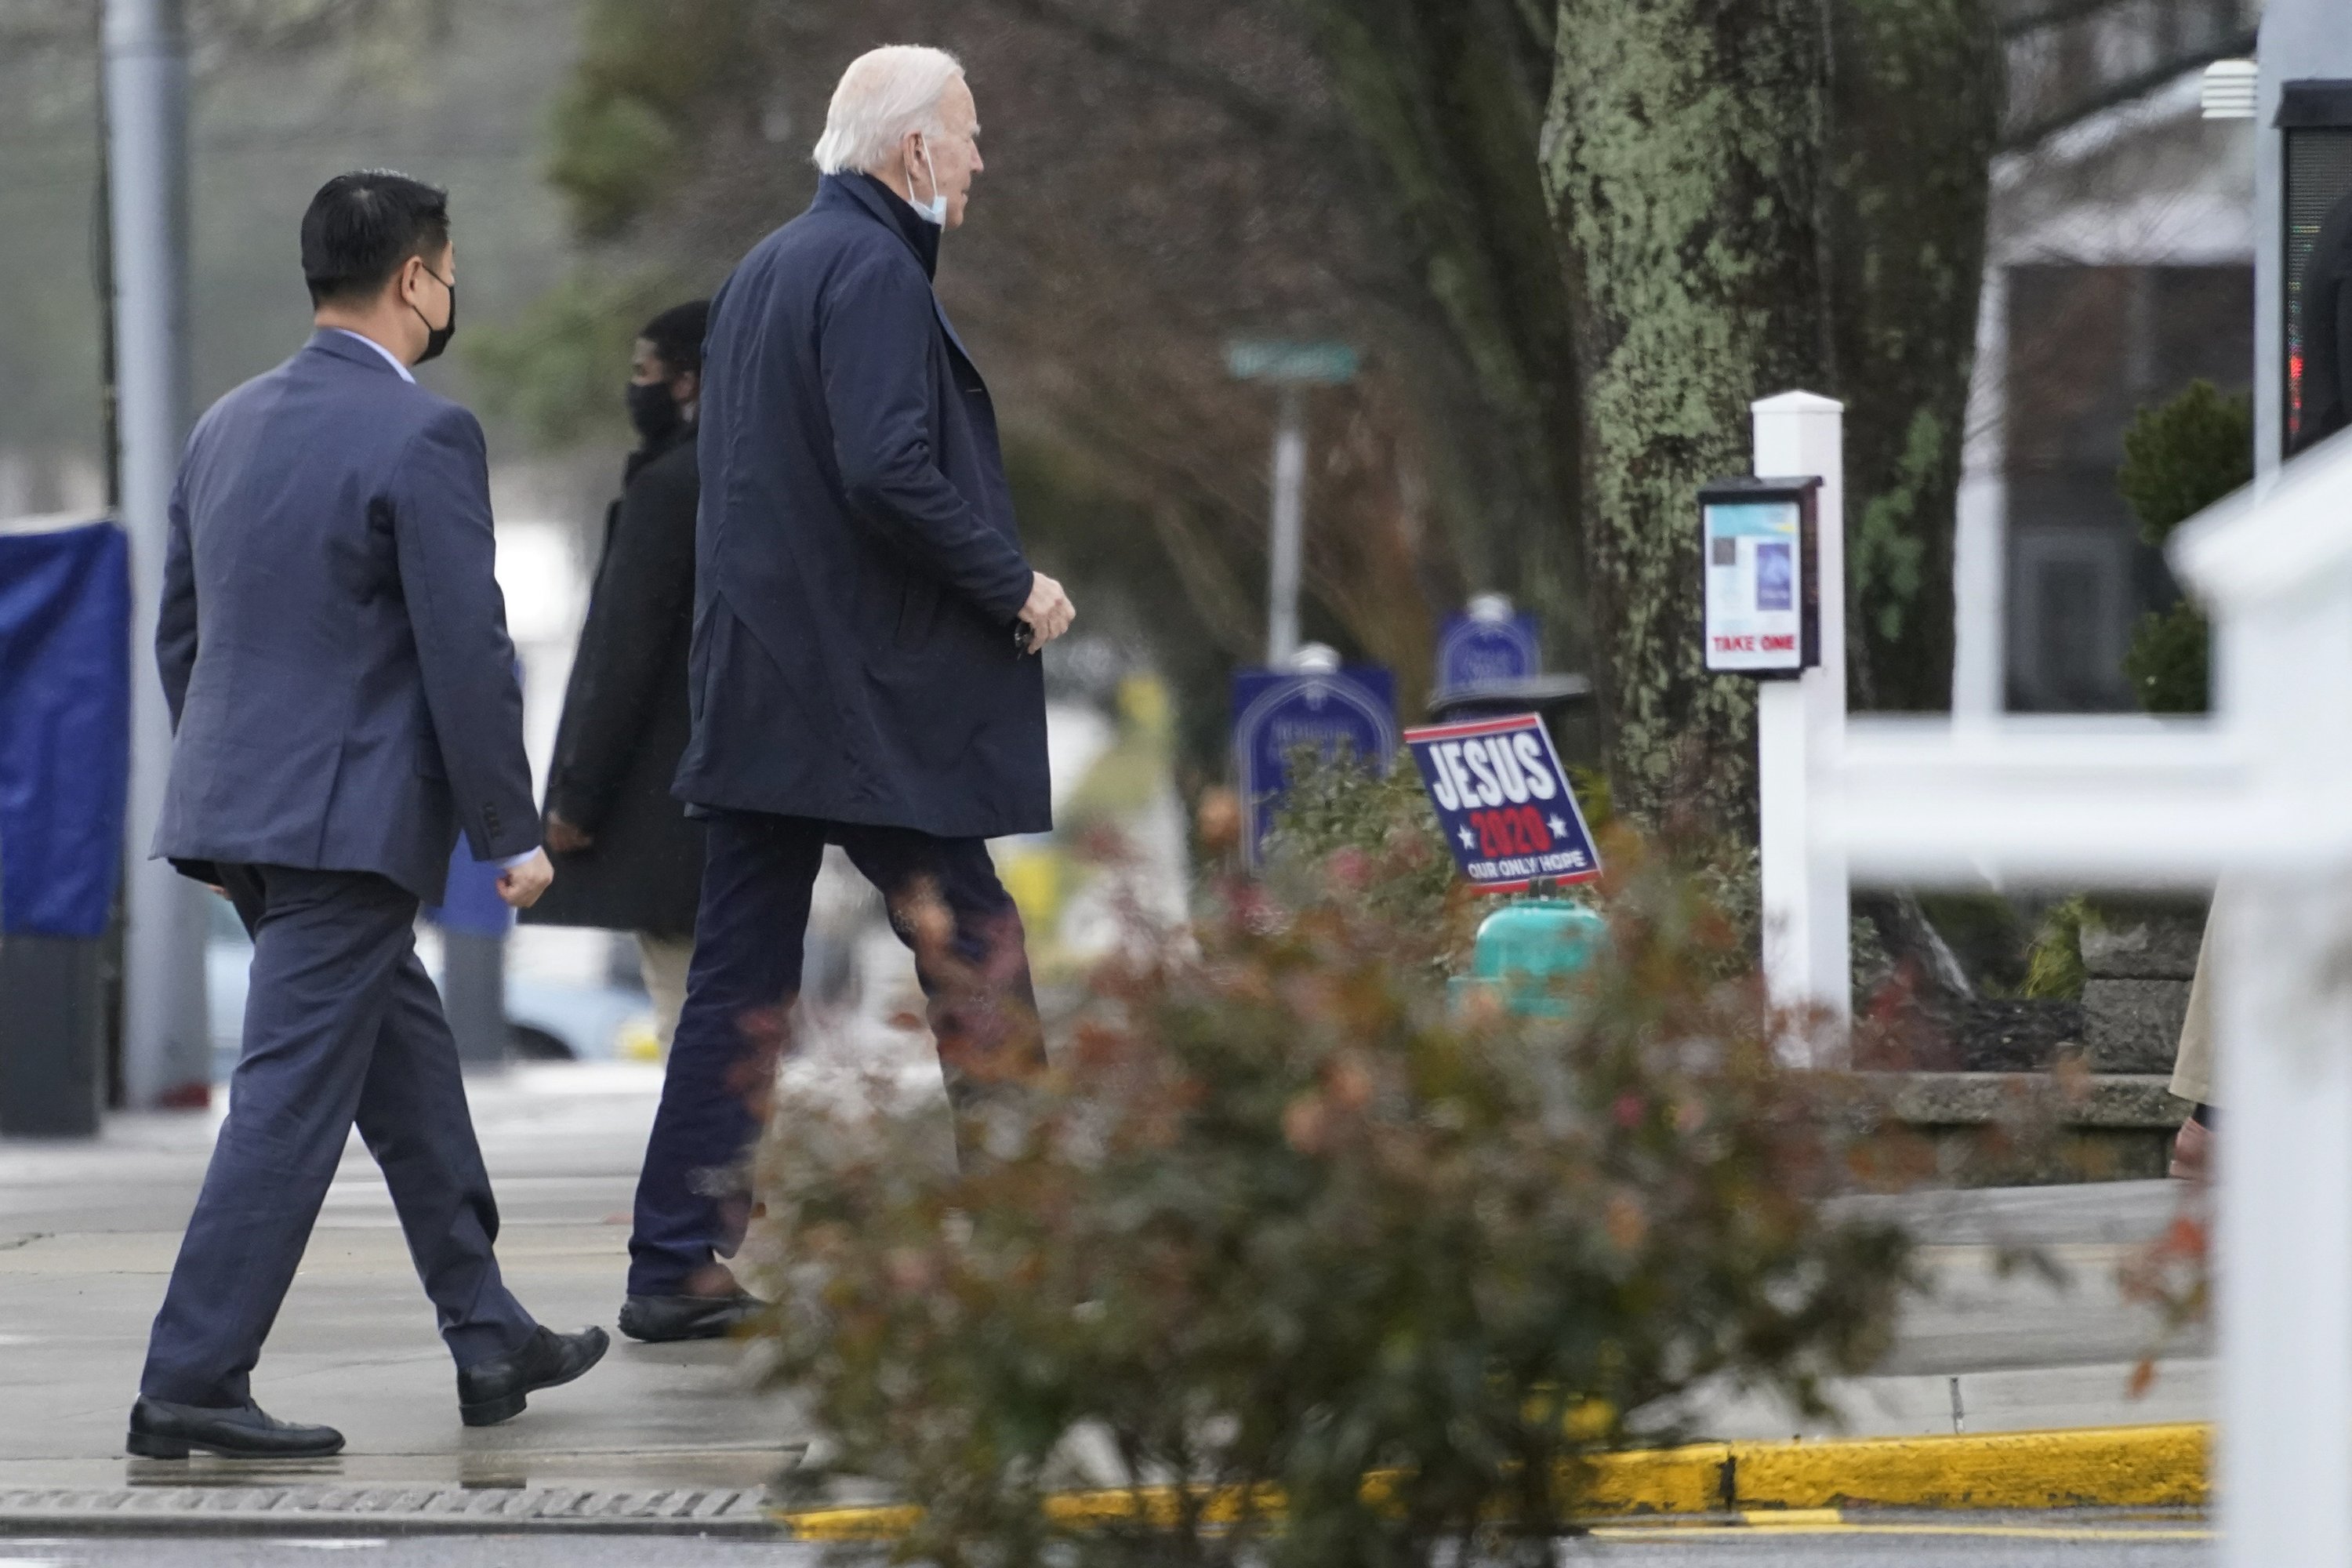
{"x": 669, "y": 1437}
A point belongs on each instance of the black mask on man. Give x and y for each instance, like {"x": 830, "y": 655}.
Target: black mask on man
{"x": 653, "y": 410}
{"x": 437, "y": 339}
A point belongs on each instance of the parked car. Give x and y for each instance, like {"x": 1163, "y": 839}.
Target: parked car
{"x": 551, "y": 1020}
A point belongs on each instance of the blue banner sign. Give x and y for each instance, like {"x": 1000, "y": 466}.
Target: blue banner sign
{"x": 1474, "y": 651}
{"x": 1351, "y": 710}
{"x": 1505, "y": 803}
{"x": 64, "y": 727}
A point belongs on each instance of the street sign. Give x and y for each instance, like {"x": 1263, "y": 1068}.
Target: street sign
{"x": 1277, "y": 712}
{"x": 1487, "y": 646}
{"x": 1761, "y": 601}
{"x": 1261, "y": 359}
{"x": 1505, "y": 804}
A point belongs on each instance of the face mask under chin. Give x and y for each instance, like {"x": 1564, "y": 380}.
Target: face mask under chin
{"x": 934, "y": 211}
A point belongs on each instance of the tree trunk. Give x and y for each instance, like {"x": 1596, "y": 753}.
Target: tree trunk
{"x": 1915, "y": 102}
{"x": 1681, "y": 157}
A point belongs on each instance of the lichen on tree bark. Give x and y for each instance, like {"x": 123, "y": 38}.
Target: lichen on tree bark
{"x": 1681, "y": 157}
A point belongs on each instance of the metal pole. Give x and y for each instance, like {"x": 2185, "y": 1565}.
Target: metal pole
{"x": 1799, "y": 733}
{"x": 1289, "y": 497}
{"x": 474, "y": 995}
{"x": 166, "y": 1055}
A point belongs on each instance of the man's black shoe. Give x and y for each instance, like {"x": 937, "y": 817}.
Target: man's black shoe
{"x": 494, "y": 1391}
{"x": 660, "y": 1319}
{"x": 161, "y": 1430}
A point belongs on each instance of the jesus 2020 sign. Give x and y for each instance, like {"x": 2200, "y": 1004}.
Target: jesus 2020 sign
{"x": 1504, "y": 802}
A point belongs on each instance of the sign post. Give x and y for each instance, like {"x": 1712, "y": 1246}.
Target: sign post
{"x": 1291, "y": 367}
{"x": 1773, "y": 557}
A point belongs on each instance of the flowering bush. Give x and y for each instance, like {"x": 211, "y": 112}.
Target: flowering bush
{"x": 1292, "y": 1265}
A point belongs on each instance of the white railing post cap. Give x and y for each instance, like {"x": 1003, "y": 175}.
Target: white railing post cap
{"x": 1796, "y": 402}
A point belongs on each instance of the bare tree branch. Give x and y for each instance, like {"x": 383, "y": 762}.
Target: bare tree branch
{"x": 1247, "y": 110}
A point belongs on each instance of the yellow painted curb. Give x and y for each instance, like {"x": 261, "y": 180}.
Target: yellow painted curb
{"x": 2108, "y": 1466}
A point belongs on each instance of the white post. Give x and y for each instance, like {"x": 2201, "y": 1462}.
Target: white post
{"x": 1286, "y": 545}
{"x": 1799, "y": 732}
{"x": 2284, "y": 1148}
{"x": 167, "y": 1051}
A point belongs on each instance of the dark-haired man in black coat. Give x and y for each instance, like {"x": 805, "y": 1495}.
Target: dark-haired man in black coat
{"x": 627, "y": 857}
{"x": 863, "y": 669}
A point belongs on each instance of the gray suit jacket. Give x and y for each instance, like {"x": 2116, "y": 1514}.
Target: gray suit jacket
{"x": 331, "y": 641}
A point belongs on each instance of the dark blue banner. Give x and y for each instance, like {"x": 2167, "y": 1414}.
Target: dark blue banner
{"x": 1352, "y": 710}
{"x": 1505, "y": 803}
{"x": 64, "y": 727}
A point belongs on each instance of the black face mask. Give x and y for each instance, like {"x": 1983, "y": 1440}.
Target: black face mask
{"x": 437, "y": 339}
{"x": 653, "y": 410}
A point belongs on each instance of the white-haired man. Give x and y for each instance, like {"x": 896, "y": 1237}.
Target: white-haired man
{"x": 862, "y": 669}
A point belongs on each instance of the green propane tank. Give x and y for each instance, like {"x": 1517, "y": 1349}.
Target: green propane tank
{"x": 1530, "y": 951}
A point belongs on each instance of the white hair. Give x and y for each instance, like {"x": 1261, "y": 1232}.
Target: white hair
{"x": 884, "y": 94}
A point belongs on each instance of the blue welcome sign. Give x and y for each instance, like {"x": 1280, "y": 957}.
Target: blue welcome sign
{"x": 1505, "y": 803}
{"x": 1487, "y": 646}
{"x": 1277, "y": 712}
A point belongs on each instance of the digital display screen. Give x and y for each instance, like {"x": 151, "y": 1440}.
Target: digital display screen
{"x": 2318, "y": 172}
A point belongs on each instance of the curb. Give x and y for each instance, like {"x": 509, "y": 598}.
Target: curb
{"x": 2099, "y": 1466}
{"x": 1749, "y": 1484}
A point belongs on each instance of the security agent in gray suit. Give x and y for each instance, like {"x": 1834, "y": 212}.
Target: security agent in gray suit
{"x": 334, "y": 649}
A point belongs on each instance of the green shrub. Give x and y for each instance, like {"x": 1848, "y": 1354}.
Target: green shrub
{"x": 2169, "y": 662}
{"x": 2054, "y": 964}
{"x": 2179, "y": 457}
{"x": 1279, "y": 1222}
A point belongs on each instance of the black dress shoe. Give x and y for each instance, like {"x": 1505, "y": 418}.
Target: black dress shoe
{"x": 162, "y": 1430}
{"x": 494, "y": 1391}
{"x": 660, "y": 1319}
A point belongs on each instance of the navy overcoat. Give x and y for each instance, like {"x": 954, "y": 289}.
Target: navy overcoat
{"x": 857, "y": 570}
{"x": 331, "y": 640}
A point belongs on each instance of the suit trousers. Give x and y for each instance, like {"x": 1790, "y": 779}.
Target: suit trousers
{"x": 945, "y": 903}
{"x": 341, "y": 1026}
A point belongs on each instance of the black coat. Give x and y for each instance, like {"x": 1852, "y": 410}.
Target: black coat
{"x": 624, "y": 717}
{"x": 857, "y": 567}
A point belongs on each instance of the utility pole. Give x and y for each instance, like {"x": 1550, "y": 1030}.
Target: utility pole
{"x": 167, "y": 1050}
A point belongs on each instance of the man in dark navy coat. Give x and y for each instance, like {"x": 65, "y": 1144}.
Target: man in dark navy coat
{"x": 863, "y": 670}
{"x": 333, "y": 648}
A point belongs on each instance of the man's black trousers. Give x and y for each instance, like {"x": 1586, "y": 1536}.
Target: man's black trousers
{"x": 945, "y": 903}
